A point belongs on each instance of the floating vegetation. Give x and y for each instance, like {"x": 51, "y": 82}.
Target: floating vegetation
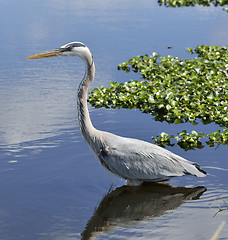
{"x": 190, "y": 141}
{"x": 175, "y": 91}
{"x": 184, "y": 140}
{"x": 192, "y": 3}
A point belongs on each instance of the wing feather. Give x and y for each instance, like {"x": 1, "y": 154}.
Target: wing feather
{"x": 135, "y": 159}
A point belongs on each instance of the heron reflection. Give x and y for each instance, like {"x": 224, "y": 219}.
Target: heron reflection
{"x": 126, "y": 206}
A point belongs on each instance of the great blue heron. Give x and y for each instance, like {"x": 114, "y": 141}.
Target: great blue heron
{"x": 132, "y": 159}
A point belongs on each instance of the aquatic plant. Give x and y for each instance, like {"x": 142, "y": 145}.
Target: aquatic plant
{"x": 219, "y": 205}
{"x": 189, "y": 141}
{"x": 175, "y": 91}
{"x": 192, "y": 3}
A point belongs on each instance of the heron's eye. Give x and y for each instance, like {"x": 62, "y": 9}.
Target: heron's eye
{"x": 69, "y": 48}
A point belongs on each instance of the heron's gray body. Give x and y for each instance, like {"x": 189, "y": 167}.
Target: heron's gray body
{"x": 139, "y": 161}
{"x": 134, "y": 160}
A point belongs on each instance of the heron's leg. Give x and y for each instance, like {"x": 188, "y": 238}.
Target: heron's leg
{"x": 133, "y": 182}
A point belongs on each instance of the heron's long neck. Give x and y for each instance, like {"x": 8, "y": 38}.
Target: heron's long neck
{"x": 84, "y": 121}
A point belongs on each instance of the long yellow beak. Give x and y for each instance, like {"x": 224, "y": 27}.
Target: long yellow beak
{"x": 51, "y": 53}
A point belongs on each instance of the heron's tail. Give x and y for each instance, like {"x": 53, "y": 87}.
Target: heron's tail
{"x": 194, "y": 169}
{"x": 200, "y": 169}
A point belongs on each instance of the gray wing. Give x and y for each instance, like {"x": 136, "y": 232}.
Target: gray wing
{"x": 136, "y": 159}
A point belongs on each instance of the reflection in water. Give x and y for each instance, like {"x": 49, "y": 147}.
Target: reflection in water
{"x": 126, "y": 206}
{"x": 36, "y": 108}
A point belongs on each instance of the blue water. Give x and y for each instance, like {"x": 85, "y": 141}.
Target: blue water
{"x": 51, "y": 184}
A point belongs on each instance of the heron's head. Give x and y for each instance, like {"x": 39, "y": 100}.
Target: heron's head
{"x": 70, "y": 49}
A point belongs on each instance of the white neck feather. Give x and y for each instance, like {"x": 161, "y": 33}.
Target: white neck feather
{"x": 86, "y": 127}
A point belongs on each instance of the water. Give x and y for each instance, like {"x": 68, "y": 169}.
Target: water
{"x": 51, "y": 184}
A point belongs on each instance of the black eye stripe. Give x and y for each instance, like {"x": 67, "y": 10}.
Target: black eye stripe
{"x": 77, "y": 44}
{"x": 70, "y": 46}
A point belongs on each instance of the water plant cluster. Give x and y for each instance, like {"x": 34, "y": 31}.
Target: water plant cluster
{"x": 189, "y": 141}
{"x": 176, "y": 91}
{"x": 192, "y": 3}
